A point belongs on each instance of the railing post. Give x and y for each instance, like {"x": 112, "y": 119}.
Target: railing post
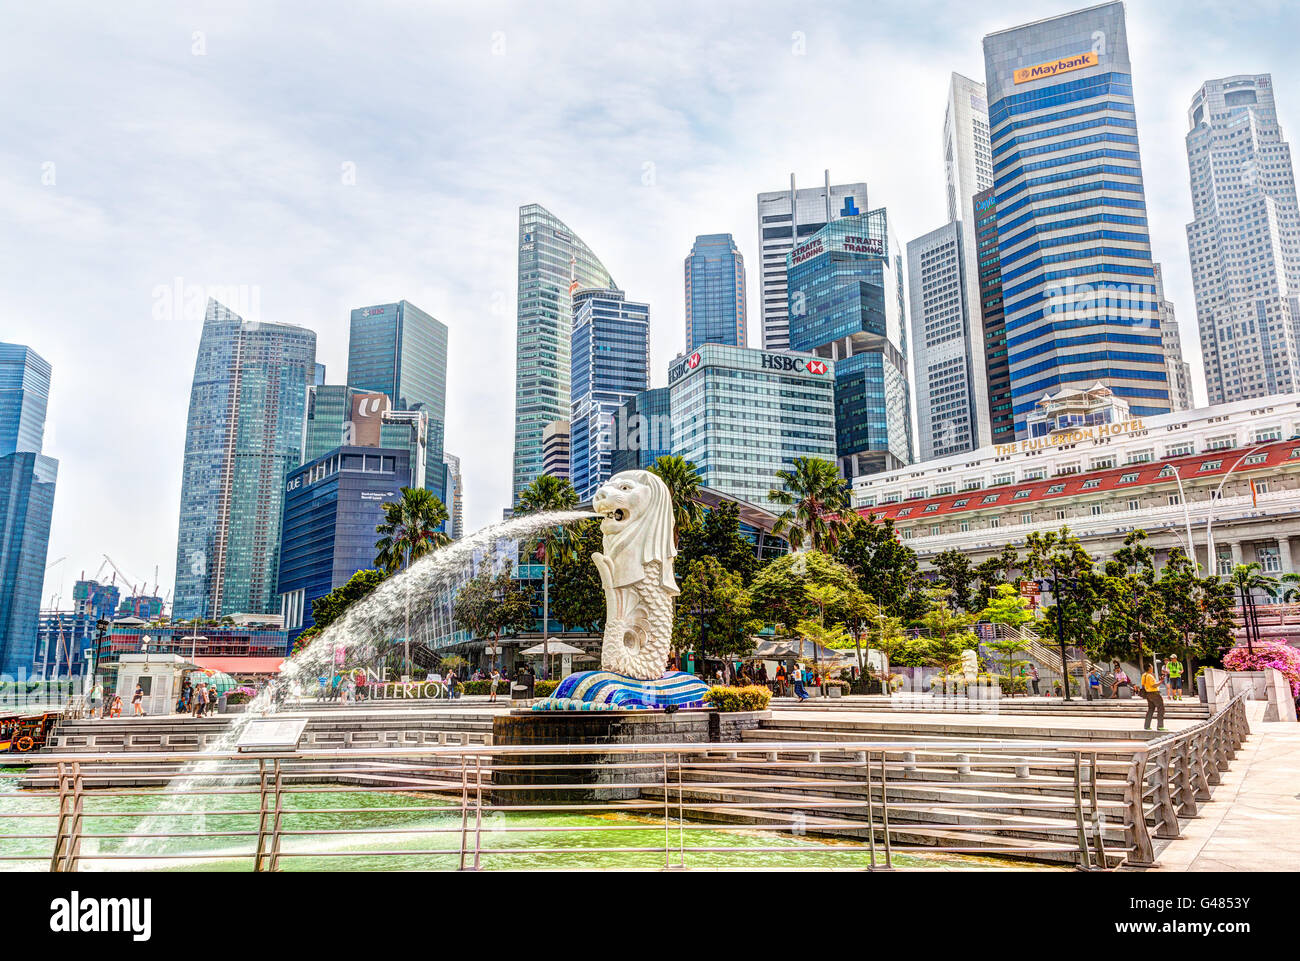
{"x": 1168, "y": 814}
{"x": 884, "y": 808}
{"x": 478, "y": 809}
{"x": 1187, "y": 806}
{"x": 262, "y": 816}
{"x": 667, "y": 865}
{"x": 1141, "y": 852}
{"x": 871, "y": 811}
{"x": 1085, "y": 857}
{"x": 1098, "y": 826}
{"x": 278, "y": 816}
{"x": 464, "y": 808}
{"x": 67, "y": 832}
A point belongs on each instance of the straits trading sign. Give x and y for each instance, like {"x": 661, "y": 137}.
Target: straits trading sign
{"x": 1073, "y": 436}
{"x": 1044, "y": 70}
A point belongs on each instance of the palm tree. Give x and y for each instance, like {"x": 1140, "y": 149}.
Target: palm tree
{"x": 682, "y": 478}
{"x": 1248, "y": 578}
{"x": 546, "y": 494}
{"x": 814, "y": 496}
{"x": 409, "y": 531}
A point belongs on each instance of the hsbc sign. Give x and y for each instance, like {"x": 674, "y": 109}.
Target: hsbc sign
{"x": 784, "y": 362}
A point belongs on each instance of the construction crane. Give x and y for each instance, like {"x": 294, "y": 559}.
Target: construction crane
{"x": 127, "y": 581}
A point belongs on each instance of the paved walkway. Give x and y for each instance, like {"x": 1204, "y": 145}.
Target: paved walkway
{"x": 1122, "y": 726}
{"x": 1253, "y": 821}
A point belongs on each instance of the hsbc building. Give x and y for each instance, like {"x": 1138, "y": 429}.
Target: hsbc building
{"x": 740, "y": 415}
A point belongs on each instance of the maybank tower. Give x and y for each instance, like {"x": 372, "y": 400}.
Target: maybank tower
{"x": 1078, "y": 281}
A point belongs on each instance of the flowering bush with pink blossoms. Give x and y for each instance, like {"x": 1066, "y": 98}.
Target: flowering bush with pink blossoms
{"x": 1284, "y": 657}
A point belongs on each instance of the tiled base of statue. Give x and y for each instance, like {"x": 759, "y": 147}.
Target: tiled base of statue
{"x": 606, "y": 691}
{"x": 636, "y": 570}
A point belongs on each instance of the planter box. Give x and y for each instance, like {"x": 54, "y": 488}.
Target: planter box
{"x": 224, "y": 708}
{"x": 833, "y": 690}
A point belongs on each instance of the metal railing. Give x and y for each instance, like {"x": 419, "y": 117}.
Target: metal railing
{"x": 862, "y": 804}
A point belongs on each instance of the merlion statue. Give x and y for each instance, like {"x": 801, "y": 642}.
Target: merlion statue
{"x": 636, "y": 570}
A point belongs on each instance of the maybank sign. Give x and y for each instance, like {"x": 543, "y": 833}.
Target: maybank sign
{"x": 1044, "y": 70}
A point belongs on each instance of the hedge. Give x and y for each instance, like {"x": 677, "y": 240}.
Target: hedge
{"x": 727, "y": 699}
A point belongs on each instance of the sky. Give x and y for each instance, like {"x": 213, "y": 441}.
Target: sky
{"x": 315, "y": 157}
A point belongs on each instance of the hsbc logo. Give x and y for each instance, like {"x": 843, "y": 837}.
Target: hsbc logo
{"x": 784, "y": 362}
{"x": 693, "y": 362}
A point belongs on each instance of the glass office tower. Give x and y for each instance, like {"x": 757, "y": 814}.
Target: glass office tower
{"x": 847, "y": 305}
{"x": 715, "y": 292}
{"x": 1078, "y": 282}
{"x": 27, "y": 479}
{"x": 642, "y": 430}
{"x": 610, "y": 362}
{"x": 243, "y": 436}
{"x": 984, "y": 214}
{"x": 554, "y": 264}
{"x": 741, "y": 415}
{"x": 399, "y": 350}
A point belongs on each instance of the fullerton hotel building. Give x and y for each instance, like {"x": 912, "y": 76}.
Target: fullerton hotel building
{"x": 1227, "y": 476}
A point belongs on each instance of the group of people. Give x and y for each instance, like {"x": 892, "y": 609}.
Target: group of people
{"x": 197, "y": 700}
{"x": 341, "y": 686}
{"x": 793, "y": 681}
{"x": 102, "y": 707}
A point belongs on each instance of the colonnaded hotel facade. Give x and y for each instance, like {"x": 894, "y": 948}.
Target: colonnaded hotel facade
{"x": 1100, "y": 470}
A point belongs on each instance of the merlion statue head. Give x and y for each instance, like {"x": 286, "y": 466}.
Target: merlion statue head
{"x": 638, "y": 526}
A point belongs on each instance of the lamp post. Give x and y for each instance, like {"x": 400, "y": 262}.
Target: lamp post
{"x": 1187, "y": 517}
{"x": 1058, "y": 593}
{"x": 1209, "y": 520}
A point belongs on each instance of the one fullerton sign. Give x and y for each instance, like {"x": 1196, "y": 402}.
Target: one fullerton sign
{"x": 1065, "y": 65}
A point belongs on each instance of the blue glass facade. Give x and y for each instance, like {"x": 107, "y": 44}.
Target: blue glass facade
{"x": 401, "y": 351}
{"x": 27, "y": 479}
{"x": 642, "y": 430}
{"x": 847, "y": 305}
{"x": 554, "y": 263}
{"x": 243, "y": 436}
{"x": 65, "y": 636}
{"x": 331, "y": 508}
{"x": 1078, "y": 282}
{"x": 715, "y": 292}
{"x": 610, "y": 357}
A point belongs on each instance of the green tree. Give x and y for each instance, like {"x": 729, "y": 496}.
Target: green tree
{"x": 408, "y": 532}
{"x": 886, "y": 570}
{"x": 1131, "y": 618}
{"x": 1007, "y": 606}
{"x": 948, "y": 632}
{"x": 1246, "y": 579}
{"x": 714, "y": 613}
{"x": 1059, "y": 557}
{"x": 542, "y": 496}
{"x": 1199, "y": 610}
{"x": 855, "y": 610}
{"x": 816, "y": 500}
{"x": 718, "y": 536}
{"x": 493, "y": 605}
{"x": 956, "y": 574}
{"x": 997, "y": 571}
{"x": 577, "y": 598}
{"x": 778, "y": 588}
{"x": 815, "y": 629}
{"x": 327, "y": 609}
{"x": 682, "y": 478}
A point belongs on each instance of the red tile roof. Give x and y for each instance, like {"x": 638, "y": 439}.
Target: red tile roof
{"x": 1098, "y": 481}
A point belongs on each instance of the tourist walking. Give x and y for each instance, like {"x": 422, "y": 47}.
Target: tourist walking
{"x": 799, "y": 675}
{"x": 1032, "y": 673}
{"x": 1174, "y": 668}
{"x": 137, "y": 701}
{"x": 212, "y": 699}
{"x": 496, "y": 679}
{"x": 1155, "y": 703}
{"x": 780, "y": 680}
{"x": 96, "y": 693}
{"x": 200, "y": 699}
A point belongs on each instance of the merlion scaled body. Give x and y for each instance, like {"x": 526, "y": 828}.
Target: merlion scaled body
{"x": 636, "y": 570}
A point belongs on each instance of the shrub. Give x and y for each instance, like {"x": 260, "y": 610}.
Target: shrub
{"x": 728, "y": 699}
{"x": 484, "y": 687}
{"x": 544, "y": 688}
{"x": 1283, "y": 657}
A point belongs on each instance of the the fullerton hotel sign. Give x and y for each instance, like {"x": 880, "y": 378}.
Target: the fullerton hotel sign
{"x": 1064, "y": 438}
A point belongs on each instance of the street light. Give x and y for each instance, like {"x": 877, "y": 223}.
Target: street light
{"x": 1209, "y": 520}
{"x": 1187, "y": 517}
{"x": 1060, "y": 630}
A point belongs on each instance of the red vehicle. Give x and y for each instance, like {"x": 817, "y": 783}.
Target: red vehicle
{"x": 20, "y": 733}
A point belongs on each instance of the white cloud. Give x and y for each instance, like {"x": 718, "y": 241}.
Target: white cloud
{"x": 226, "y": 169}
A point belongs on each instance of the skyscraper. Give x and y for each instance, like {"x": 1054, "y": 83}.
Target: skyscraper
{"x": 786, "y": 218}
{"x": 968, "y": 169}
{"x": 643, "y": 430}
{"x": 243, "y": 436}
{"x": 27, "y": 479}
{"x": 401, "y": 351}
{"x": 984, "y": 214}
{"x": 1179, "y": 371}
{"x": 715, "y": 292}
{"x": 554, "y": 263}
{"x": 455, "y": 496}
{"x": 847, "y": 305}
{"x": 946, "y": 395}
{"x": 1078, "y": 281}
{"x": 1244, "y": 240}
{"x": 610, "y": 362}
